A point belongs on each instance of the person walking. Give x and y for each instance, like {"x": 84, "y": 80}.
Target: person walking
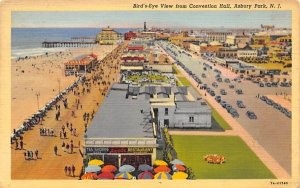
{"x": 69, "y": 170}
{"x": 73, "y": 170}
{"x": 63, "y": 146}
{"x": 17, "y": 144}
{"x": 36, "y": 154}
{"x": 67, "y": 147}
{"x": 66, "y": 169}
{"x": 21, "y": 144}
{"x": 25, "y": 155}
{"x": 55, "y": 150}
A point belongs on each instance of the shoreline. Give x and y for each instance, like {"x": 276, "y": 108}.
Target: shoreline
{"x": 43, "y": 75}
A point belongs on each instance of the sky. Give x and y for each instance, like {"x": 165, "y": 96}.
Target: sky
{"x": 163, "y": 19}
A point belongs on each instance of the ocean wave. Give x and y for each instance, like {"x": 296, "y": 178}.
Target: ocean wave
{"x": 16, "y": 53}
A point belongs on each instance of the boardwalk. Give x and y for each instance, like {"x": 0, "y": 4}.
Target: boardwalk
{"x": 48, "y": 165}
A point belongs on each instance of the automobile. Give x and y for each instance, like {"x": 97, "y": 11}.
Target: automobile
{"x": 228, "y": 107}
{"x": 288, "y": 114}
{"x": 205, "y": 86}
{"x": 239, "y": 91}
{"x": 251, "y": 115}
{"x": 269, "y": 102}
{"x": 223, "y": 92}
{"x": 234, "y": 113}
{"x": 217, "y": 76}
{"x": 219, "y": 79}
{"x": 231, "y": 86}
{"x": 203, "y": 75}
{"x": 223, "y": 104}
{"x": 263, "y": 98}
{"x": 218, "y": 98}
{"x": 208, "y": 89}
{"x": 212, "y": 93}
{"x": 240, "y": 104}
{"x": 274, "y": 84}
{"x": 204, "y": 68}
{"x": 261, "y": 84}
{"x": 268, "y": 84}
{"x": 226, "y": 80}
{"x": 215, "y": 84}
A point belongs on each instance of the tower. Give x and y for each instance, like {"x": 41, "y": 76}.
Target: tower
{"x": 145, "y": 27}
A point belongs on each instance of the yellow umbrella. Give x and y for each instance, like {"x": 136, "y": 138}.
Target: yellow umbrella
{"x": 160, "y": 163}
{"x": 96, "y": 162}
{"x": 179, "y": 175}
{"x": 163, "y": 175}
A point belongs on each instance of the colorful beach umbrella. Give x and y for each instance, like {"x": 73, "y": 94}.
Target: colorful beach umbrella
{"x": 126, "y": 168}
{"x": 109, "y": 168}
{"x": 145, "y": 175}
{"x": 124, "y": 176}
{"x": 106, "y": 175}
{"x": 92, "y": 168}
{"x": 163, "y": 175}
{"x": 89, "y": 176}
{"x": 177, "y": 161}
{"x": 178, "y": 167}
{"x": 179, "y": 175}
{"x": 162, "y": 169}
{"x": 96, "y": 162}
{"x": 145, "y": 167}
{"x": 160, "y": 163}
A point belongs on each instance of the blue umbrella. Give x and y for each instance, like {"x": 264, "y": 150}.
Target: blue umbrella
{"x": 92, "y": 168}
{"x": 126, "y": 168}
{"x": 177, "y": 161}
{"x": 145, "y": 167}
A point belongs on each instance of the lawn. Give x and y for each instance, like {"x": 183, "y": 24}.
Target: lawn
{"x": 176, "y": 71}
{"x": 219, "y": 119}
{"x": 241, "y": 162}
{"x": 183, "y": 81}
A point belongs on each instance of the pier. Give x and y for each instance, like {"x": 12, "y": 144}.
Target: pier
{"x": 68, "y": 44}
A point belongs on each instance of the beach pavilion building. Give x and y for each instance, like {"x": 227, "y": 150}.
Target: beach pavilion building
{"x": 108, "y": 36}
{"x": 80, "y": 65}
{"x": 127, "y": 127}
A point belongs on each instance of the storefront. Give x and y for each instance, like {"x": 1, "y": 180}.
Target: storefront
{"x": 119, "y": 156}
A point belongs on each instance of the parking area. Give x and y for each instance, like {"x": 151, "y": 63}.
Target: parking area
{"x": 271, "y": 128}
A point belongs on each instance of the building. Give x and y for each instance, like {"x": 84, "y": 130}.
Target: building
{"x": 246, "y": 69}
{"x": 225, "y": 62}
{"x": 211, "y": 48}
{"x": 108, "y": 36}
{"x": 127, "y": 127}
{"x": 217, "y": 36}
{"x": 227, "y": 52}
{"x": 80, "y": 65}
{"x": 247, "y": 52}
{"x": 130, "y": 35}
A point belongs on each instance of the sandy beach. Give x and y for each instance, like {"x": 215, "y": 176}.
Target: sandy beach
{"x": 44, "y": 75}
{"x": 47, "y": 165}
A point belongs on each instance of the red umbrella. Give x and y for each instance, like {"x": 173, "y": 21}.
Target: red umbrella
{"x": 178, "y": 167}
{"x": 106, "y": 175}
{"x": 162, "y": 169}
{"x": 89, "y": 176}
{"x": 109, "y": 168}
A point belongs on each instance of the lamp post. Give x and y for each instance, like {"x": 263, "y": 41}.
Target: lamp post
{"x": 58, "y": 80}
{"x": 37, "y": 94}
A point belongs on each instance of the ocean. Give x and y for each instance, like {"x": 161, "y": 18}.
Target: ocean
{"x": 28, "y": 41}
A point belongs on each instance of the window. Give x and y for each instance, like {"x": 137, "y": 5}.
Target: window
{"x": 166, "y": 111}
{"x": 191, "y": 119}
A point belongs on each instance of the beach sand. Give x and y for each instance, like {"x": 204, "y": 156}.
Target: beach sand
{"x": 44, "y": 75}
{"x": 49, "y": 165}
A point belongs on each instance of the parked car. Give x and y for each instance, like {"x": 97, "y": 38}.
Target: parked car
{"x": 223, "y": 92}
{"x": 268, "y": 84}
{"x": 231, "y": 86}
{"x": 226, "y": 80}
{"x": 234, "y": 113}
{"x": 251, "y": 115}
{"x": 240, "y": 104}
{"x": 215, "y": 84}
{"x": 239, "y": 91}
{"x": 219, "y": 79}
{"x": 228, "y": 107}
{"x": 218, "y": 98}
{"x": 223, "y": 104}
{"x": 261, "y": 84}
{"x": 212, "y": 93}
